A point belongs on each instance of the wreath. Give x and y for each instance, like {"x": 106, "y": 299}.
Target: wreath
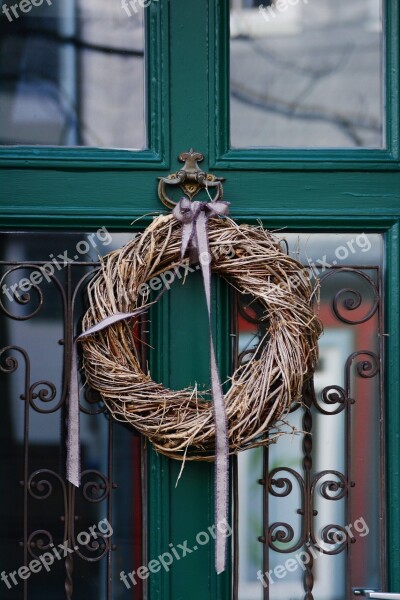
{"x": 180, "y": 423}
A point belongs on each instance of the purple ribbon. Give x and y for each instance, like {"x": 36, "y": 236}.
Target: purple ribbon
{"x": 73, "y": 439}
{"x": 194, "y": 217}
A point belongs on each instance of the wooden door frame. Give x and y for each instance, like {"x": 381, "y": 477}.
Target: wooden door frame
{"x": 331, "y": 191}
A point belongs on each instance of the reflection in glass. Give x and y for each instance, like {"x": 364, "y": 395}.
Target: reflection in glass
{"x": 306, "y": 74}
{"x": 294, "y": 496}
{"x": 72, "y": 74}
{"x": 32, "y": 431}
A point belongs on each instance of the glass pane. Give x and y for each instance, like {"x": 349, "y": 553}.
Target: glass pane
{"x": 311, "y": 520}
{"x": 307, "y": 74}
{"x": 72, "y": 74}
{"x": 39, "y": 508}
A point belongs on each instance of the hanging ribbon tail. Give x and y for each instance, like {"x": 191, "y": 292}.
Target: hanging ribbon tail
{"x": 73, "y": 437}
{"x": 221, "y": 467}
{"x": 187, "y": 238}
{"x": 73, "y": 445}
{"x": 194, "y": 218}
{"x": 221, "y": 428}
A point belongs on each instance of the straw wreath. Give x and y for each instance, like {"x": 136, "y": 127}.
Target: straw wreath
{"x": 180, "y": 423}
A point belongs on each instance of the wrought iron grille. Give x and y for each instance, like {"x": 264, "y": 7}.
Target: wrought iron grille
{"x": 350, "y": 297}
{"x": 41, "y": 510}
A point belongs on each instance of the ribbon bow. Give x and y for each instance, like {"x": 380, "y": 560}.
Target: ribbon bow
{"x": 194, "y": 217}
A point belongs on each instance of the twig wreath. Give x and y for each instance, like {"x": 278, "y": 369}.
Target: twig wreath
{"x": 183, "y": 424}
{"x": 180, "y": 423}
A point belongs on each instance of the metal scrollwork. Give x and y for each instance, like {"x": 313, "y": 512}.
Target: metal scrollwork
{"x": 38, "y": 542}
{"x": 330, "y": 489}
{"x": 92, "y": 550}
{"x": 350, "y": 299}
{"x": 96, "y": 489}
{"x": 245, "y": 356}
{"x": 337, "y": 536}
{"x": 283, "y": 484}
{"x": 46, "y": 394}
{"x": 40, "y": 487}
{"x": 23, "y": 298}
{"x": 366, "y": 368}
{"x": 10, "y": 363}
{"x": 331, "y": 395}
{"x": 283, "y": 533}
{"x": 93, "y": 398}
{"x": 330, "y": 485}
{"x": 42, "y": 396}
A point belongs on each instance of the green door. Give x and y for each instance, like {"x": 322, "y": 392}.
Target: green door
{"x": 295, "y": 105}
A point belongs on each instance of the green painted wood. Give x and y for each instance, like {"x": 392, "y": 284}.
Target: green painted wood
{"x": 190, "y": 504}
{"x": 309, "y": 191}
{"x": 392, "y": 100}
{"x": 178, "y": 513}
{"x": 158, "y": 501}
{"x": 189, "y": 74}
{"x": 392, "y": 365}
{"x": 53, "y": 195}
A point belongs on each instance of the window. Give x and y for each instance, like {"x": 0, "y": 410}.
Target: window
{"x": 40, "y": 509}
{"x": 307, "y": 74}
{"x": 307, "y": 498}
{"x": 72, "y": 73}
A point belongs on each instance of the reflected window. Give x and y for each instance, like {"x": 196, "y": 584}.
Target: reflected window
{"x": 72, "y": 73}
{"x": 307, "y": 74}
